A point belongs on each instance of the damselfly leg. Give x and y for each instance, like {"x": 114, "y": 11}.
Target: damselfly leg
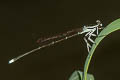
{"x": 90, "y": 32}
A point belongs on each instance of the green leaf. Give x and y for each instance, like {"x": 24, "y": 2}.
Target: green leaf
{"x": 78, "y": 75}
{"x": 115, "y": 25}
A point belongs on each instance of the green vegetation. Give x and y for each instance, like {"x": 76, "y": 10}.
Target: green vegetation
{"x": 115, "y": 25}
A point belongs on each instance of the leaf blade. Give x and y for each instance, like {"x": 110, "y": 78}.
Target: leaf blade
{"x": 78, "y": 75}
{"x": 115, "y": 25}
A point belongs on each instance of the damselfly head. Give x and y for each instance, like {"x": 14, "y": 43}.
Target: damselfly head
{"x": 98, "y": 21}
{"x": 99, "y": 24}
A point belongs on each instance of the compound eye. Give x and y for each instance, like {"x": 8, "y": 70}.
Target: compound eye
{"x": 101, "y": 24}
{"x": 98, "y": 21}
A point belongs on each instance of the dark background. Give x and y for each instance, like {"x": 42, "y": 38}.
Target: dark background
{"x": 23, "y": 22}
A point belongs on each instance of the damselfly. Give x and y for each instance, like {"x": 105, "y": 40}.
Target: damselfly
{"x": 88, "y": 30}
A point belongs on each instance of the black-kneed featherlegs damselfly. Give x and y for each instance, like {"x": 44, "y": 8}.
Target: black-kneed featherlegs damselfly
{"x": 89, "y": 31}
